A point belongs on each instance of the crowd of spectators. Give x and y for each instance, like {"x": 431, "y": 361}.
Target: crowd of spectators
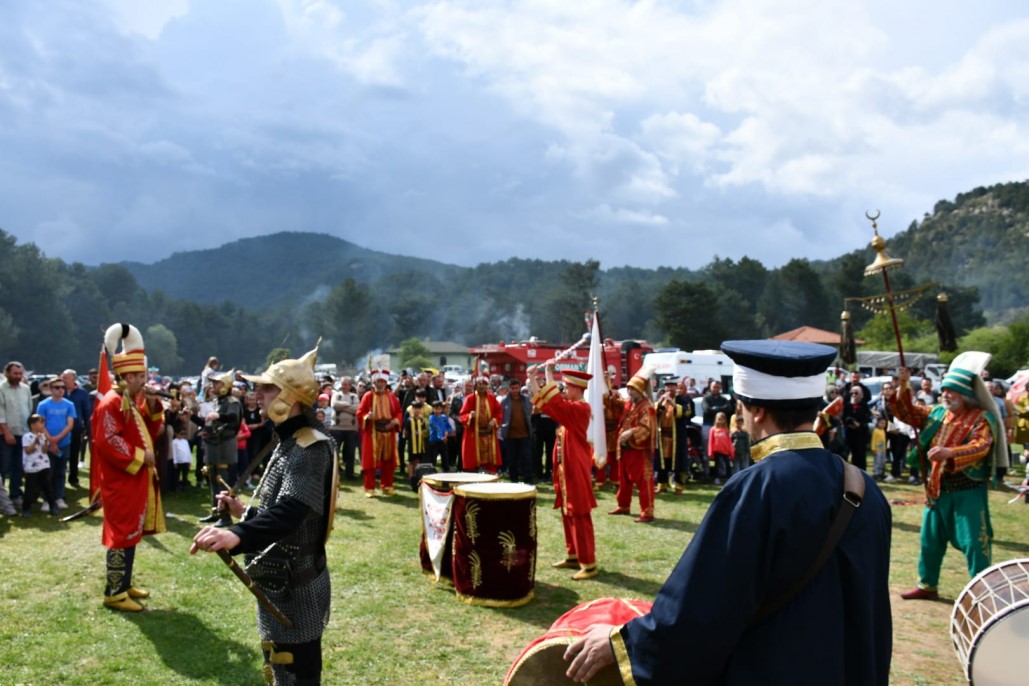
{"x": 711, "y": 452}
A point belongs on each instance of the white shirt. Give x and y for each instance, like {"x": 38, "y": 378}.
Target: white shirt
{"x": 36, "y": 462}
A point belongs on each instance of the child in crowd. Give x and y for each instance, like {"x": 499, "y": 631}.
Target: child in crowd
{"x": 36, "y": 465}
{"x": 740, "y": 444}
{"x": 182, "y": 458}
{"x": 242, "y": 456}
{"x": 323, "y": 405}
{"x": 439, "y": 431}
{"x": 416, "y": 434}
{"x": 720, "y": 447}
{"x": 879, "y": 449}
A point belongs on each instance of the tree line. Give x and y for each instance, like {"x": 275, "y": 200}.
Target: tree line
{"x": 52, "y": 314}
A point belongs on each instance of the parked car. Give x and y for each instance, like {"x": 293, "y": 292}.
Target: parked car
{"x": 875, "y": 385}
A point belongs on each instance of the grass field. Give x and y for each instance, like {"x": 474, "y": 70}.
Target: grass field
{"x": 389, "y": 624}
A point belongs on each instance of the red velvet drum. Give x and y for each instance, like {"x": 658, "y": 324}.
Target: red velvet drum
{"x": 542, "y": 661}
{"x": 440, "y": 484}
{"x": 494, "y": 561}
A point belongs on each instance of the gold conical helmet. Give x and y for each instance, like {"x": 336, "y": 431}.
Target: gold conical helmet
{"x": 296, "y": 382}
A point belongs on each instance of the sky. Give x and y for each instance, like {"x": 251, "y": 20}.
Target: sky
{"x": 635, "y": 133}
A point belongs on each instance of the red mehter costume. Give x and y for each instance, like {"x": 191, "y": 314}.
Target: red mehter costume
{"x": 480, "y": 446}
{"x": 379, "y": 437}
{"x": 613, "y": 408}
{"x": 573, "y": 459}
{"x": 635, "y": 456}
{"x": 122, "y": 431}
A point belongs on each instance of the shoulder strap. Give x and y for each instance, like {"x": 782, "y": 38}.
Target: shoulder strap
{"x": 853, "y": 494}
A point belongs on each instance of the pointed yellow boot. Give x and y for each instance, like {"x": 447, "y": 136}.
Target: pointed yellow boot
{"x": 122, "y": 602}
{"x": 137, "y": 593}
{"x": 569, "y": 563}
{"x": 585, "y": 573}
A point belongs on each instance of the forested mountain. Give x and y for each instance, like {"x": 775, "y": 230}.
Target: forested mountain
{"x": 251, "y": 272}
{"x": 243, "y": 299}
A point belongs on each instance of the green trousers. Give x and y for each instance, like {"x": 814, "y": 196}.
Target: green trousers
{"x": 962, "y": 519}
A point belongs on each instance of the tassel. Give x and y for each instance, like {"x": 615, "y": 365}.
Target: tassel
{"x": 848, "y": 349}
{"x": 944, "y": 327}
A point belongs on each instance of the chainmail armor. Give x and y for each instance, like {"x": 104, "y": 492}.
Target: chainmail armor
{"x": 304, "y": 475}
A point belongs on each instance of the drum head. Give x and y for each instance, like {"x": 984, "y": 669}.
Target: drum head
{"x": 994, "y": 656}
{"x": 544, "y": 663}
{"x": 496, "y": 491}
{"x": 444, "y": 481}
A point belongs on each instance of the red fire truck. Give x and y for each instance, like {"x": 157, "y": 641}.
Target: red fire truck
{"x": 511, "y": 360}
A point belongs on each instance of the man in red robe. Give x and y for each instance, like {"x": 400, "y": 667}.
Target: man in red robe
{"x": 480, "y": 415}
{"x": 637, "y": 432}
{"x": 125, "y": 423}
{"x": 379, "y": 417}
{"x": 573, "y": 459}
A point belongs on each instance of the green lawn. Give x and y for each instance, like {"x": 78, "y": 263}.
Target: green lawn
{"x": 389, "y": 624}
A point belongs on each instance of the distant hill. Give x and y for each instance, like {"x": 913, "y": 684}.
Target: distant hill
{"x": 980, "y": 239}
{"x": 277, "y": 269}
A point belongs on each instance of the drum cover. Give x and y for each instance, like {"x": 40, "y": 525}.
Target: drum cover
{"x": 494, "y": 549}
{"x": 542, "y": 661}
{"x": 990, "y": 624}
{"x": 444, "y": 482}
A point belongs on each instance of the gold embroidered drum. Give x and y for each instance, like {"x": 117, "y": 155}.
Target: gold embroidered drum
{"x": 494, "y": 561}
{"x": 437, "y": 528}
{"x": 990, "y": 624}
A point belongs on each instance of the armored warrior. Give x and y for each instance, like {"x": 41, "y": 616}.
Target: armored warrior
{"x": 284, "y": 529}
{"x": 220, "y": 428}
{"x": 126, "y": 422}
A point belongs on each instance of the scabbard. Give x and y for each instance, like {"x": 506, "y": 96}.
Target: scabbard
{"x": 258, "y": 593}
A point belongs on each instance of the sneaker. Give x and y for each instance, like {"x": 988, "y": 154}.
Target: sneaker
{"x": 10, "y": 512}
{"x": 82, "y": 465}
{"x": 890, "y": 478}
{"x": 213, "y": 517}
{"x": 26, "y": 513}
{"x": 61, "y": 505}
{"x": 914, "y": 480}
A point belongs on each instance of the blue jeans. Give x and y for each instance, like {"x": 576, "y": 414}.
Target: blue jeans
{"x": 59, "y": 469}
{"x": 11, "y": 467}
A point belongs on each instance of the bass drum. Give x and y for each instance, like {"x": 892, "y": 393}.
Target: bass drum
{"x": 990, "y": 625}
{"x": 542, "y": 661}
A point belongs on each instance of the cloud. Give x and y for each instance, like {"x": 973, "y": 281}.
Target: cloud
{"x": 641, "y": 133}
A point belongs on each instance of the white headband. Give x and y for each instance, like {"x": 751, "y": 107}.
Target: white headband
{"x": 760, "y": 386}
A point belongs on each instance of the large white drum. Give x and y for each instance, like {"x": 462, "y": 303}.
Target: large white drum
{"x": 990, "y": 625}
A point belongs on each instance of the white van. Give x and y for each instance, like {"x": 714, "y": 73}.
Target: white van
{"x": 699, "y": 364}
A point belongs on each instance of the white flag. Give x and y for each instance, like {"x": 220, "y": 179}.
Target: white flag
{"x": 595, "y": 392}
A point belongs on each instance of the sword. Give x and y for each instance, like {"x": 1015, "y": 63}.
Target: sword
{"x": 87, "y": 510}
{"x": 258, "y": 593}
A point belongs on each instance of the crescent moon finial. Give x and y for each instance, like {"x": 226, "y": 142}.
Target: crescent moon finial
{"x": 871, "y": 218}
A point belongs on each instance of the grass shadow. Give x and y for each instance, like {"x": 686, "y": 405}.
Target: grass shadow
{"x": 190, "y": 648}
{"x": 642, "y": 587}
